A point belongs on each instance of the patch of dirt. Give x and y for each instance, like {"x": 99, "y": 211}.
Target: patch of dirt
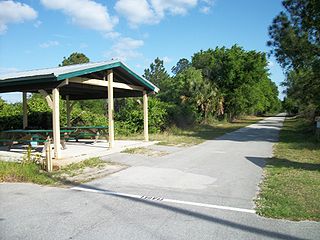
{"x": 146, "y": 151}
{"x": 90, "y": 173}
{"x": 12, "y": 178}
{"x": 182, "y": 145}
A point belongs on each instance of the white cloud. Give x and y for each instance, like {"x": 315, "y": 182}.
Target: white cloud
{"x": 112, "y": 35}
{"x": 206, "y": 6}
{"x": 49, "y": 44}
{"x": 176, "y": 7}
{"x": 151, "y": 11}
{"x": 209, "y": 2}
{"x": 84, "y": 13}
{"x": 136, "y": 11}
{"x": 14, "y": 12}
{"x": 125, "y": 48}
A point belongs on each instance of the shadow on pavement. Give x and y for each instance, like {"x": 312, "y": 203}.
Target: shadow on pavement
{"x": 201, "y": 216}
{"x": 281, "y": 162}
{"x": 259, "y": 161}
{"x": 204, "y": 217}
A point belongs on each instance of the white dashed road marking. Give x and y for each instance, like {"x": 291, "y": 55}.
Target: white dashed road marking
{"x": 160, "y": 199}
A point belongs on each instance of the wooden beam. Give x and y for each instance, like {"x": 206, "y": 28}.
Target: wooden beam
{"x": 145, "y": 116}
{"x": 65, "y": 82}
{"x": 110, "y": 108}
{"x": 68, "y": 107}
{"x": 102, "y": 83}
{"x": 25, "y": 110}
{"x": 56, "y": 123}
{"x": 47, "y": 97}
{"x": 127, "y": 86}
{"x": 95, "y": 82}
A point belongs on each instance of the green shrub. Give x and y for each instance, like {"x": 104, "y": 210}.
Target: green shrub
{"x": 129, "y": 117}
{"x": 10, "y": 115}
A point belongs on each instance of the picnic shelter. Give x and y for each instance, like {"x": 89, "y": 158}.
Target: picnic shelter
{"x": 98, "y": 80}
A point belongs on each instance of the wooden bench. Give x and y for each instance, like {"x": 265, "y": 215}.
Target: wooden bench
{"x": 85, "y": 132}
{"x": 31, "y": 142}
{"x": 32, "y": 137}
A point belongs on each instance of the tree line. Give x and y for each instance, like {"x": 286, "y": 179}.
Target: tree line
{"x": 218, "y": 83}
{"x": 295, "y": 42}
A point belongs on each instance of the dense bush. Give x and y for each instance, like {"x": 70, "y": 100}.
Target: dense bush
{"x": 129, "y": 115}
{"x": 10, "y": 115}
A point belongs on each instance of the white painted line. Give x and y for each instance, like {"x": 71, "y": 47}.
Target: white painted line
{"x": 211, "y": 206}
{"x": 160, "y": 199}
{"x": 218, "y": 152}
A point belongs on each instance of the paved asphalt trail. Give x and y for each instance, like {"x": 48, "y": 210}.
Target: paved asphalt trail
{"x": 220, "y": 173}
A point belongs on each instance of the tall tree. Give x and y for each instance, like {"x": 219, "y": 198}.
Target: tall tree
{"x": 204, "y": 94}
{"x": 192, "y": 94}
{"x": 74, "y": 58}
{"x": 235, "y": 73}
{"x": 295, "y": 41}
{"x": 181, "y": 65}
{"x": 157, "y": 73}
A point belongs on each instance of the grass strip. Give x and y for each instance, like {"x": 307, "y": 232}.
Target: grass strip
{"x": 291, "y": 187}
{"x": 31, "y": 172}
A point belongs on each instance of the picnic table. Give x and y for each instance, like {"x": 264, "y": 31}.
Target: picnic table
{"x": 32, "y": 137}
{"x": 85, "y": 132}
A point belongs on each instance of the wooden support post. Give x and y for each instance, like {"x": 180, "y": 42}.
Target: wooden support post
{"x": 25, "y": 110}
{"x": 68, "y": 107}
{"x": 56, "y": 123}
{"x": 47, "y": 97}
{"x": 110, "y": 108}
{"x": 47, "y": 147}
{"x": 145, "y": 116}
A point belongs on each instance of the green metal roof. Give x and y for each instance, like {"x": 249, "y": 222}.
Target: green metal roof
{"x": 50, "y": 77}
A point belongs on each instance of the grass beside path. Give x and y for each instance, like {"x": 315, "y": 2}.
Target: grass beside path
{"x": 196, "y": 134}
{"x": 18, "y": 172}
{"x": 291, "y": 188}
{"x": 31, "y": 172}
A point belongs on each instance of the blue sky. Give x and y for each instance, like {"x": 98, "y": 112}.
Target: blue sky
{"x": 39, "y": 33}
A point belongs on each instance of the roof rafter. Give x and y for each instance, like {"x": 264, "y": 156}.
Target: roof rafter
{"x": 102, "y": 83}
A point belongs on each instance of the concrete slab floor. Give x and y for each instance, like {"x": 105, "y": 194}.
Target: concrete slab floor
{"x": 75, "y": 151}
